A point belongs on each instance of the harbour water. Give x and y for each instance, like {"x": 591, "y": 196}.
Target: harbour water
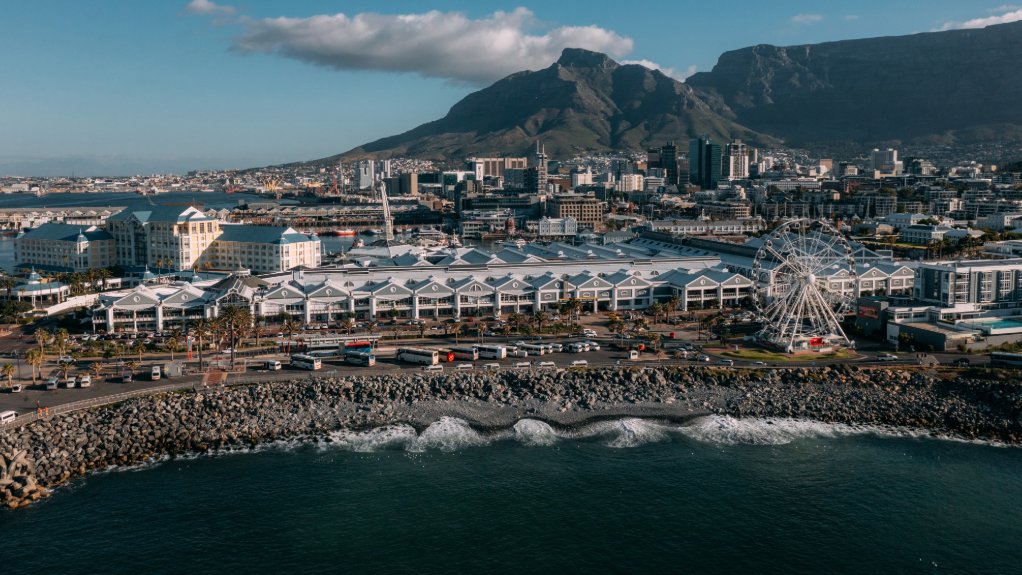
{"x": 721, "y": 495}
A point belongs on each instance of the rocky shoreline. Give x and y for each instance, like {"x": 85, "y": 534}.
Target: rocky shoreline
{"x": 45, "y": 454}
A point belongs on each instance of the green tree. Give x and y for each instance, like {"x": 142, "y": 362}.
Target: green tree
{"x": 35, "y": 358}
{"x": 8, "y": 371}
{"x": 173, "y": 342}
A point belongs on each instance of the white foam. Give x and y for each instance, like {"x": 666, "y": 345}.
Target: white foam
{"x": 627, "y": 432}
{"x": 726, "y": 430}
{"x": 447, "y": 434}
{"x": 534, "y": 433}
{"x": 388, "y": 436}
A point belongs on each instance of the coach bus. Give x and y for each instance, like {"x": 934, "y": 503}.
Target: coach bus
{"x": 416, "y": 355}
{"x": 360, "y": 358}
{"x": 1005, "y": 359}
{"x": 534, "y": 348}
{"x": 362, "y": 345}
{"x": 466, "y": 353}
{"x": 491, "y": 351}
{"x": 302, "y": 361}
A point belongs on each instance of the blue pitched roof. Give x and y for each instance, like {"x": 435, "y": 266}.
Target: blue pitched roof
{"x": 162, "y": 214}
{"x": 65, "y": 232}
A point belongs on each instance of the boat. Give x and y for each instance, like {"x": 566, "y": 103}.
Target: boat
{"x": 346, "y": 233}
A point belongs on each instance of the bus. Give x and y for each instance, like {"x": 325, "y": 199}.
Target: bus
{"x": 360, "y": 358}
{"x": 361, "y": 345}
{"x": 416, "y": 355}
{"x": 302, "y": 361}
{"x": 467, "y": 353}
{"x": 491, "y": 351}
{"x": 534, "y": 348}
{"x": 1005, "y": 359}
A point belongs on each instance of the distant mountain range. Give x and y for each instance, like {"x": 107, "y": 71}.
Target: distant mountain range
{"x": 937, "y": 87}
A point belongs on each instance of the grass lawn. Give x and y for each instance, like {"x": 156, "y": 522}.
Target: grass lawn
{"x": 765, "y": 355}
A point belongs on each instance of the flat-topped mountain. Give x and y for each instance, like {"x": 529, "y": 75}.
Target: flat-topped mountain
{"x": 583, "y": 102}
{"x": 899, "y": 87}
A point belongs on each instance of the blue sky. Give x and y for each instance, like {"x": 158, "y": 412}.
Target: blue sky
{"x": 121, "y": 86}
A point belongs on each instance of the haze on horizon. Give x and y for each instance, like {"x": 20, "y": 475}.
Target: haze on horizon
{"x": 123, "y": 87}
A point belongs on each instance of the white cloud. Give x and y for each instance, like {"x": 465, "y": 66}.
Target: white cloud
{"x": 1013, "y": 14}
{"x": 806, "y": 18}
{"x": 435, "y": 44}
{"x": 679, "y": 75}
{"x": 207, "y": 7}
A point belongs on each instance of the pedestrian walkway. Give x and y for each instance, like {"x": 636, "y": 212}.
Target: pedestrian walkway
{"x": 215, "y": 377}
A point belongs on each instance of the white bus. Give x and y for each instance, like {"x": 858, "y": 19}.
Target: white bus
{"x": 416, "y": 355}
{"x": 469, "y": 353}
{"x": 534, "y": 348}
{"x": 360, "y": 358}
{"x": 302, "y": 361}
{"x": 491, "y": 351}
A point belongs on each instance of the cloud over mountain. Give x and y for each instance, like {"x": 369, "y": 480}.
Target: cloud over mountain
{"x": 435, "y": 44}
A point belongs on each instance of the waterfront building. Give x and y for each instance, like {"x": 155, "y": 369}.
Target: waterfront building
{"x": 165, "y": 237}
{"x": 585, "y": 209}
{"x": 263, "y": 249}
{"x": 65, "y": 247}
{"x": 557, "y": 227}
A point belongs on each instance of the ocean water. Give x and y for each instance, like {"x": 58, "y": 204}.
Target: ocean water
{"x": 628, "y": 496}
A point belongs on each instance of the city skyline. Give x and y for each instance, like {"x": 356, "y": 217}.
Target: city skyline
{"x": 117, "y": 88}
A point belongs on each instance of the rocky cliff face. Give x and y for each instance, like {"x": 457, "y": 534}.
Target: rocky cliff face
{"x": 583, "y": 102}
{"x": 902, "y": 87}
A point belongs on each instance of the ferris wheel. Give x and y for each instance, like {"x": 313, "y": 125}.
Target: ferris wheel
{"x": 806, "y": 281}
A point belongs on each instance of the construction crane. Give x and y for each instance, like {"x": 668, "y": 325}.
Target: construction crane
{"x": 272, "y": 185}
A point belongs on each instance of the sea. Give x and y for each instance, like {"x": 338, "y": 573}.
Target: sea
{"x": 716, "y": 495}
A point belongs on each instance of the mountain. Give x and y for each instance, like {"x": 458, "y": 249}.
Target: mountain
{"x": 931, "y": 86}
{"x": 583, "y": 102}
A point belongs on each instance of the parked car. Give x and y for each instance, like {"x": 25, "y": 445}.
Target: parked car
{"x": 464, "y": 366}
{"x": 492, "y": 366}
{"x": 726, "y": 362}
{"x": 84, "y": 380}
{"x": 887, "y": 357}
{"x": 433, "y": 368}
{"x": 589, "y": 333}
{"x": 579, "y": 363}
{"x": 51, "y": 383}
{"x": 545, "y": 364}
{"x": 523, "y": 364}
{"x": 962, "y": 362}
{"x": 704, "y": 358}
{"x": 17, "y": 388}
{"x": 65, "y": 359}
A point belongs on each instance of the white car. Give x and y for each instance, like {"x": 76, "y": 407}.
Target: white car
{"x": 492, "y": 366}
{"x": 523, "y": 364}
{"x": 435, "y": 367}
{"x": 887, "y": 357}
{"x": 589, "y": 333}
{"x": 85, "y": 380}
{"x": 593, "y": 346}
{"x": 51, "y": 383}
{"x": 545, "y": 364}
{"x": 464, "y": 366}
{"x": 65, "y": 359}
{"x": 579, "y": 363}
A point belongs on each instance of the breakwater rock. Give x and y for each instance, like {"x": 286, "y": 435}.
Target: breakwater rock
{"x": 48, "y": 452}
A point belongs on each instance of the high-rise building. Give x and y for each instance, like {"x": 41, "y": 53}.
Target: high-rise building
{"x": 885, "y": 161}
{"x": 669, "y": 162}
{"x": 365, "y": 174}
{"x": 541, "y": 167}
{"x": 735, "y": 164}
{"x": 704, "y": 159}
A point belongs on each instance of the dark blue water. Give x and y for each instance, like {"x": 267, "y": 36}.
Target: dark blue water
{"x": 621, "y": 498}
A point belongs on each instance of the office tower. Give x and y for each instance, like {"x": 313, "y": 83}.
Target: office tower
{"x": 704, "y": 158}
{"x": 365, "y": 174}
{"x": 541, "y": 167}
{"x": 735, "y": 164}
{"x": 669, "y": 162}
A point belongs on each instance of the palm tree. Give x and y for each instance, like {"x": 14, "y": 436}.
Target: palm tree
{"x": 62, "y": 337}
{"x": 42, "y": 337}
{"x": 173, "y": 342}
{"x": 8, "y": 371}
{"x": 199, "y": 330}
{"x": 456, "y": 330}
{"x": 371, "y": 327}
{"x": 422, "y": 329}
{"x": 540, "y": 318}
{"x": 8, "y": 282}
{"x": 516, "y": 319}
{"x": 139, "y": 348}
{"x": 575, "y": 307}
{"x": 97, "y": 369}
{"x": 65, "y": 369}
{"x": 655, "y": 339}
{"x": 132, "y": 366}
{"x": 35, "y": 358}
{"x": 673, "y": 303}
{"x": 289, "y": 326}
{"x": 235, "y": 322}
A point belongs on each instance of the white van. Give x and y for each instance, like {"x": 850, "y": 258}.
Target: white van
{"x": 7, "y": 416}
{"x": 84, "y": 380}
{"x": 579, "y": 363}
{"x": 434, "y": 367}
{"x": 155, "y": 373}
{"x": 272, "y": 365}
